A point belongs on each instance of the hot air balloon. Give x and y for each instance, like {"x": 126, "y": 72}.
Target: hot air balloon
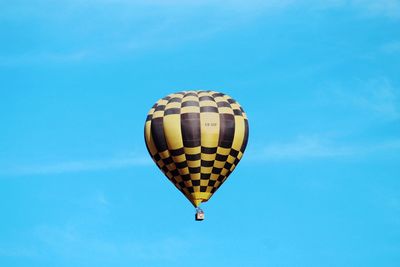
{"x": 197, "y": 139}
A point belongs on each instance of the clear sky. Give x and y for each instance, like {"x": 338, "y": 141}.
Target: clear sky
{"x": 319, "y": 184}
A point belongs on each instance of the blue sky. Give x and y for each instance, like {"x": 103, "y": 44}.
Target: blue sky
{"x": 319, "y": 184}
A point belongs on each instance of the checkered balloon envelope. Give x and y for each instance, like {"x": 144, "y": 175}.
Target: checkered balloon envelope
{"x": 197, "y": 139}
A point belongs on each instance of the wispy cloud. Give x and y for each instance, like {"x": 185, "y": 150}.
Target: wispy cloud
{"x": 69, "y": 241}
{"x": 378, "y": 97}
{"x": 44, "y": 57}
{"x": 319, "y": 147}
{"x": 122, "y": 27}
{"x": 75, "y": 166}
{"x": 101, "y": 199}
{"x": 304, "y": 147}
{"x": 375, "y": 99}
{"x": 391, "y": 47}
{"x": 389, "y": 8}
{"x": 8, "y": 250}
{"x": 383, "y": 8}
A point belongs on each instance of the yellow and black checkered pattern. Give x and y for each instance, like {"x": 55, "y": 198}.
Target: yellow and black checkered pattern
{"x": 197, "y": 138}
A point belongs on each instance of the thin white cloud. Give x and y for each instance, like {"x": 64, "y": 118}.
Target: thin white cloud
{"x": 317, "y": 147}
{"x": 101, "y": 199}
{"x": 305, "y": 147}
{"x": 364, "y": 104}
{"x": 383, "y": 8}
{"x": 378, "y": 97}
{"x": 75, "y": 166}
{"x": 68, "y": 241}
{"x": 240, "y": 4}
{"x": 388, "y": 8}
{"x": 391, "y": 47}
{"x": 43, "y": 57}
{"x": 8, "y": 250}
{"x": 140, "y": 25}
{"x": 135, "y": 27}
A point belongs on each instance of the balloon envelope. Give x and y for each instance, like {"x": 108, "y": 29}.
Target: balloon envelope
{"x": 197, "y": 138}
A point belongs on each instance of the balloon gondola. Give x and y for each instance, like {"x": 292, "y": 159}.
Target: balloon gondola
{"x": 199, "y": 214}
{"x": 197, "y": 139}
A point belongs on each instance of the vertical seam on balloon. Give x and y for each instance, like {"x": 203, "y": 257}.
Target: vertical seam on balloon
{"x": 174, "y": 163}
{"x": 205, "y": 188}
{"x": 164, "y": 168}
{"x": 192, "y": 197}
{"x": 217, "y": 171}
